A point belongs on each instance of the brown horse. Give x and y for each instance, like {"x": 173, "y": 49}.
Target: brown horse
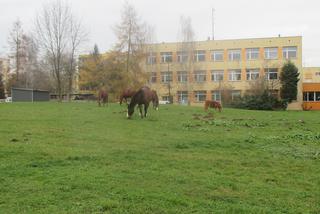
{"x": 212, "y": 104}
{"x": 143, "y": 97}
{"x": 128, "y": 93}
{"x": 102, "y": 97}
{"x": 155, "y": 100}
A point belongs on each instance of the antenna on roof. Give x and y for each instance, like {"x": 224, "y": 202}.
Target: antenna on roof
{"x": 213, "y": 10}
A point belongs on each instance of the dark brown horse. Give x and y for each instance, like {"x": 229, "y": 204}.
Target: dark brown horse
{"x": 143, "y": 97}
{"x": 102, "y": 97}
{"x": 128, "y": 93}
{"x": 212, "y": 104}
{"x": 155, "y": 100}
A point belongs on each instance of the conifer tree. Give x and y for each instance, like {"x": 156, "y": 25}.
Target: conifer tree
{"x": 289, "y": 79}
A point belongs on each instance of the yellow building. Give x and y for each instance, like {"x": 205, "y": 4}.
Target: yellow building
{"x": 220, "y": 64}
{"x": 4, "y": 71}
{"x": 311, "y": 88}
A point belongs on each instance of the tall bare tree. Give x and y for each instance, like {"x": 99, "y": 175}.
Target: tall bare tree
{"x": 131, "y": 34}
{"x": 52, "y": 28}
{"x": 59, "y": 35}
{"x": 77, "y": 37}
{"x": 15, "y": 41}
{"x": 186, "y": 48}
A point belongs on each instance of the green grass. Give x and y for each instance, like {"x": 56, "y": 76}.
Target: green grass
{"x": 78, "y": 158}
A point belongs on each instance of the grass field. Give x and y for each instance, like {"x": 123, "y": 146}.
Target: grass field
{"x": 78, "y": 158}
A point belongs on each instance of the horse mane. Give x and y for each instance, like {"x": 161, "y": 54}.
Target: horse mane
{"x": 134, "y": 98}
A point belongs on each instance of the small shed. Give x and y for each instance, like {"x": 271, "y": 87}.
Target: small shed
{"x": 29, "y": 95}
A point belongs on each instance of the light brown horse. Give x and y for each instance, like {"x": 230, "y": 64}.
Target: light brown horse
{"x": 212, "y": 104}
{"x": 102, "y": 97}
{"x": 127, "y": 93}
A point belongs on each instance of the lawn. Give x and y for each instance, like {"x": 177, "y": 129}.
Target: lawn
{"x": 79, "y": 158}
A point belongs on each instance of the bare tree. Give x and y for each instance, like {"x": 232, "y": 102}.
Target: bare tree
{"x": 77, "y": 37}
{"x": 15, "y": 41}
{"x": 131, "y": 34}
{"x": 53, "y": 30}
{"x": 24, "y": 53}
{"x": 186, "y": 48}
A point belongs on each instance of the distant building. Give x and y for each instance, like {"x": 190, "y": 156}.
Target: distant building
{"x": 29, "y": 95}
{"x": 311, "y": 88}
{"x": 220, "y": 63}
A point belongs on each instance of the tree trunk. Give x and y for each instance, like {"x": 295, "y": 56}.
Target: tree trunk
{"x": 69, "y": 88}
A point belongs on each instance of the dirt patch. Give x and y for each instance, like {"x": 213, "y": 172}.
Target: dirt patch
{"x": 200, "y": 117}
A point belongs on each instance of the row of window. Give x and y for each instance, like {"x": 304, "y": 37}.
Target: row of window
{"x": 201, "y": 96}
{"x": 311, "y": 96}
{"x": 217, "y": 55}
{"x": 216, "y": 75}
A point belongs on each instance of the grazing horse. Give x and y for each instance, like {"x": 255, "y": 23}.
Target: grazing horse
{"x": 102, "y": 97}
{"x": 128, "y": 93}
{"x": 212, "y": 104}
{"x": 155, "y": 100}
{"x": 143, "y": 97}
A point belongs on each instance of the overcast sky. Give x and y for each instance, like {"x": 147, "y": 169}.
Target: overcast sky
{"x": 233, "y": 19}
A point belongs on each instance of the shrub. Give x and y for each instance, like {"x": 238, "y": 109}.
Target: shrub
{"x": 265, "y": 101}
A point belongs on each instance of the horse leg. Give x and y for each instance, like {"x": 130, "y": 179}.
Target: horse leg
{"x": 140, "y": 110}
{"x": 146, "y": 109}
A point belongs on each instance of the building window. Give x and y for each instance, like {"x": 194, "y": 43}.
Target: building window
{"x": 252, "y": 53}
{"x": 234, "y": 75}
{"x": 216, "y": 95}
{"x": 252, "y": 74}
{"x": 152, "y": 58}
{"x": 289, "y": 52}
{"x": 200, "y": 96}
{"x": 235, "y": 95}
{"x": 182, "y": 76}
{"x": 200, "y": 56}
{"x": 317, "y": 95}
{"x": 166, "y": 98}
{"x": 153, "y": 77}
{"x": 182, "y": 97}
{"x": 182, "y": 56}
{"x": 305, "y": 96}
{"x": 271, "y": 53}
{"x": 216, "y": 76}
{"x": 217, "y": 55}
{"x": 234, "y": 55}
{"x": 166, "y": 57}
{"x": 166, "y": 77}
{"x": 200, "y": 76}
{"x": 311, "y": 96}
{"x": 271, "y": 73}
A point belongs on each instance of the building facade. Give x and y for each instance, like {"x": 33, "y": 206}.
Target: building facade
{"x": 5, "y": 72}
{"x": 311, "y": 88}
{"x": 220, "y": 65}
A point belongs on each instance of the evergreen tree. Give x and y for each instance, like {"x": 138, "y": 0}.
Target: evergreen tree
{"x": 289, "y": 82}
{"x": 2, "y": 95}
